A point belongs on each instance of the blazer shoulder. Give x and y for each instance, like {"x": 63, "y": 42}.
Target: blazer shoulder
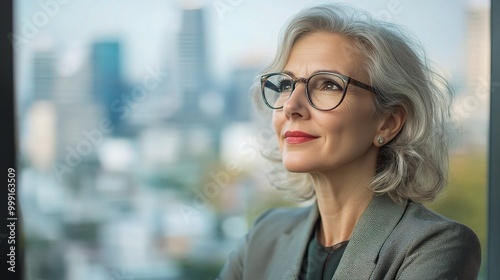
{"x": 281, "y": 220}
{"x": 436, "y": 244}
{"x": 426, "y": 221}
{"x": 262, "y": 253}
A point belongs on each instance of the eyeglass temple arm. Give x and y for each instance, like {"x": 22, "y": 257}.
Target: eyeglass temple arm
{"x": 362, "y": 85}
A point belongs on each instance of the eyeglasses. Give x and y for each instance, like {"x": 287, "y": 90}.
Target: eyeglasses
{"x": 324, "y": 90}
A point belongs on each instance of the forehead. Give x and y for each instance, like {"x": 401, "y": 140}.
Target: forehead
{"x": 324, "y": 51}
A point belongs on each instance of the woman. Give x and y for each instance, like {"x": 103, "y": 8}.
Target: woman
{"x": 361, "y": 118}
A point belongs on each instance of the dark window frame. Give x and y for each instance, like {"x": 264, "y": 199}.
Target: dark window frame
{"x": 8, "y": 149}
{"x": 493, "y": 247}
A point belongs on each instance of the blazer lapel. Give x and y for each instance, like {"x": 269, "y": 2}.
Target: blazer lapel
{"x": 370, "y": 233}
{"x": 293, "y": 245}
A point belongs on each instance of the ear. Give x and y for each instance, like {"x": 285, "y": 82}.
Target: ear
{"x": 389, "y": 126}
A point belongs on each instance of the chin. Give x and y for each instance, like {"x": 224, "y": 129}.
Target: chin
{"x": 296, "y": 170}
{"x": 298, "y": 166}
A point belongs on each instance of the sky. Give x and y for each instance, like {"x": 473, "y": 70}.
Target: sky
{"x": 238, "y": 31}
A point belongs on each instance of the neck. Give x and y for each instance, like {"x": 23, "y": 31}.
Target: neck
{"x": 340, "y": 206}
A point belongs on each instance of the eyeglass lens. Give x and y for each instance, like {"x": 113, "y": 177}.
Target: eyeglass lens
{"x": 325, "y": 91}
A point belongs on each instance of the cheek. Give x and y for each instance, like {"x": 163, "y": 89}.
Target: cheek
{"x": 360, "y": 111}
{"x": 278, "y": 121}
{"x": 351, "y": 125}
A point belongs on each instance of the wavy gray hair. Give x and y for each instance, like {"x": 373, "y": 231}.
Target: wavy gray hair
{"x": 412, "y": 166}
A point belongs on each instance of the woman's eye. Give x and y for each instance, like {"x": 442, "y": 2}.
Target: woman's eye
{"x": 329, "y": 85}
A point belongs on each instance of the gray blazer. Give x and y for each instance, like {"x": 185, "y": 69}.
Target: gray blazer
{"x": 390, "y": 241}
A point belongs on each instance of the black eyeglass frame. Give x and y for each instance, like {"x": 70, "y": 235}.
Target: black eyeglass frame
{"x": 347, "y": 80}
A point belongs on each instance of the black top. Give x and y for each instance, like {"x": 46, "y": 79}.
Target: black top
{"x": 321, "y": 262}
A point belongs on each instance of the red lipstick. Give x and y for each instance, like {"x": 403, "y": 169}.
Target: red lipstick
{"x": 297, "y": 137}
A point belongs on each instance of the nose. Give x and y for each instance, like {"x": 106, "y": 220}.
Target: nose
{"x": 297, "y": 104}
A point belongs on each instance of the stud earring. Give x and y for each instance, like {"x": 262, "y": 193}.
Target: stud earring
{"x": 380, "y": 140}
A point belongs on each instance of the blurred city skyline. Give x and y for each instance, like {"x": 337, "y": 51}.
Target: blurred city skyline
{"x": 147, "y": 32}
{"x": 148, "y": 29}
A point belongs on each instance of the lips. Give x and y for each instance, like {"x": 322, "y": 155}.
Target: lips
{"x": 297, "y": 137}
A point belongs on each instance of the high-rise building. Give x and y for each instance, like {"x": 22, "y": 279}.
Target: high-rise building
{"x": 478, "y": 45}
{"x": 192, "y": 61}
{"x": 239, "y": 101}
{"x": 76, "y": 114}
{"x": 43, "y": 75}
{"x": 473, "y": 104}
{"x": 107, "y": 81}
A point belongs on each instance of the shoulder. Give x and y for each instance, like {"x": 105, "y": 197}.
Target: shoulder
{"x": 280, "y": 220}
{"x": 424, "y": 239}
{"x": 424, "y": 221}
{"x": 263, "y": 249}
{"x": 276, "y": 225}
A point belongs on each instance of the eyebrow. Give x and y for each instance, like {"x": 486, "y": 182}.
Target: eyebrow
{"x": 332, "y": 71}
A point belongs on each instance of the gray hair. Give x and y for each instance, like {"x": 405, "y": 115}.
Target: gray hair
{"x": 414, "y": 165}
